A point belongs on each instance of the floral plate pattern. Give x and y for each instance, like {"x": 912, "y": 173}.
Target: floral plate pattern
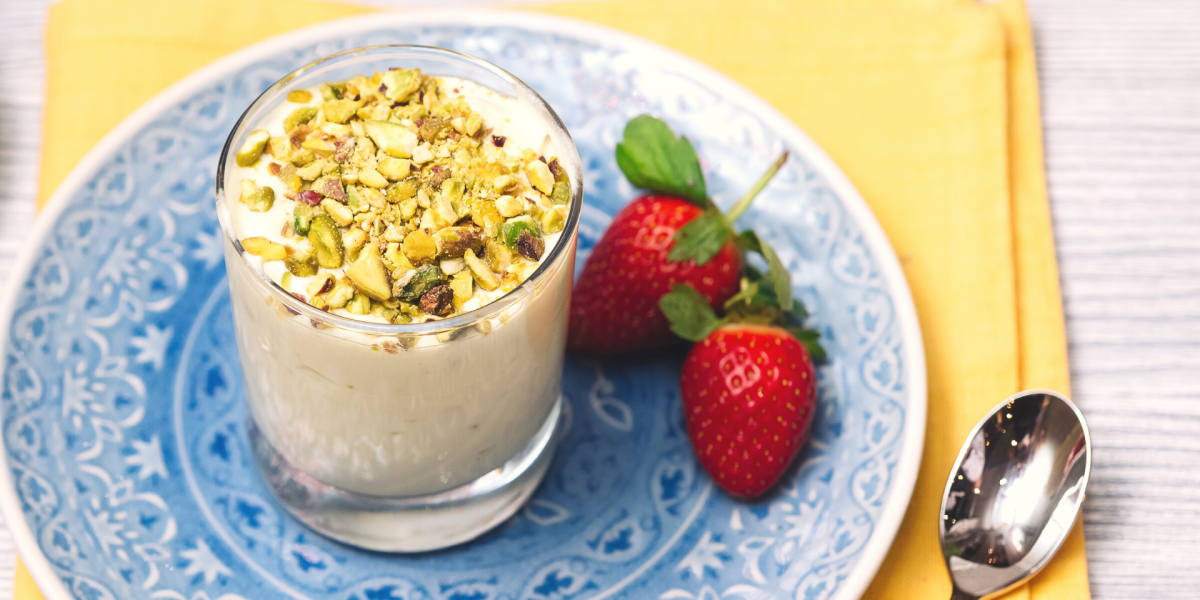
{"x": 128, "y": 474}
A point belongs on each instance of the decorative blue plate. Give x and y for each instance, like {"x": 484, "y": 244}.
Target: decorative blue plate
{"x": 128, "y": 474}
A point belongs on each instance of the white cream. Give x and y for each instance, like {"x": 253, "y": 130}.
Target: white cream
{"x": 364, "y": 414}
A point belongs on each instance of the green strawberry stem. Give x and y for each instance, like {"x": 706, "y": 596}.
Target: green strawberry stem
{"x": 744, "y": 202}
{"x": 703, "y": 237}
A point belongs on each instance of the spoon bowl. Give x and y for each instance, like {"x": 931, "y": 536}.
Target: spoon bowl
{"x": 1014, "y": 493}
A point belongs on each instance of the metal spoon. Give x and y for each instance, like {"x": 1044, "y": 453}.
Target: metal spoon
{"x": 1014, "y": 493}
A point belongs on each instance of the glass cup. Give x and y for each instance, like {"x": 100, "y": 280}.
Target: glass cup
{"x": 411, "y": 437}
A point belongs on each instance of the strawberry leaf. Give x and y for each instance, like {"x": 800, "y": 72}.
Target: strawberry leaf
{"x": 701, "y": 238}
{"x": 777, "y": 275}
{"x": 809, "y": 338}
{"x": 653, "y": 158}
{"x": 690, "y": 315}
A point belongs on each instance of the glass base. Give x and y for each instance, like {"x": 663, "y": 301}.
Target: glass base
{"x": 413, "y": 523}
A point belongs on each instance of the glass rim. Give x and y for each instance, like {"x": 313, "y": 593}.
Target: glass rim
{"x": 550, "y": 263}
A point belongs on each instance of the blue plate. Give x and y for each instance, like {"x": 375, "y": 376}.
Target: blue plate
{"x": 128, "y": 474}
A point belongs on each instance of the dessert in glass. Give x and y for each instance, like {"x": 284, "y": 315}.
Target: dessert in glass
{"x": 400, "y": 228}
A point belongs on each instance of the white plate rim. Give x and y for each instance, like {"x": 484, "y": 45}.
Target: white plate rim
{"x": 53, "y": 588}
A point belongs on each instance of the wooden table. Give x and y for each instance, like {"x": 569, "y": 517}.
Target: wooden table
{"x": 1121, "y": 102}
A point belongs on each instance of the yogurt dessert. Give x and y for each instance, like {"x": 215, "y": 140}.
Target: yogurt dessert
{"x": 400, "y": 258}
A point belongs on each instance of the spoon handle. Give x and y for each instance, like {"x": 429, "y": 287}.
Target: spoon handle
{"x": 957, "y": 595}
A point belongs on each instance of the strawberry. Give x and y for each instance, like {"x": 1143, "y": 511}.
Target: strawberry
{"x": 748, "y": 385}
{"x": 655, "y": 242}
{"x": 749, "y": 396}
{"x": 615, "y": 303}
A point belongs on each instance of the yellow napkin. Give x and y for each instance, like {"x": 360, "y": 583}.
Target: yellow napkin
{"x": 930, "y": 107}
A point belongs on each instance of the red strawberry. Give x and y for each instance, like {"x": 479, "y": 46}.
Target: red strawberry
{"x": 749, "y": 396}
{"x": 615, "y": 304}
{"x": 655, "y": 243}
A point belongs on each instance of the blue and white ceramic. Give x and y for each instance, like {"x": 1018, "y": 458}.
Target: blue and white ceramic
{"x": 128, "y": 475}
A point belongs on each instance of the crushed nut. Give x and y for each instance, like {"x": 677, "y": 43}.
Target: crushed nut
{"x": 530, "y": 246}
{"x": 264, "y": 248}
{"x": 400, "y": 207}
{"x": 252, "y": 148}
{"x": 438, "y": 301}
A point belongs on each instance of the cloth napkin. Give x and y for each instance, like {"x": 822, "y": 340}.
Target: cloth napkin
{"x": 930, "y": 107}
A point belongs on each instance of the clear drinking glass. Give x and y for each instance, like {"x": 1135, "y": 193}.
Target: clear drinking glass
{"x": 402, "y": 437}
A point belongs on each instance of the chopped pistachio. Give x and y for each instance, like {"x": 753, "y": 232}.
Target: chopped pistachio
{"x": 354, "y": 200}
{"x": 394, "y": 169}
{"x": 302, "y": 217}
{"x": 340, "y": 111}
{"x": 374, "y": 198}
{"x": 264, "y": 248}
{"x": 403, "y": 190}
{"x": 562, "y": 193}
{"x": 337, "y": 130}
{"x": 408, "y": 208}
{"x": 372, "y": 178}
{"x": 303, "y": 114}
{"x": 451, "y": 266}
{"x": 341, "y": 293}
{"x": 391, "y": 315}
{"x": 360, "y": 304}
{"x": 333, "y": 91}
{"x": 370, "y": 274}
{"x": 320, "y": 284}
{"x": 443, "y": 214}
{"x": 473, "y": 124}
{"x": 463, "y": 285}
{"x": 320, "y": 147}
{"x": 398, "y": 84}
{"x": 353, "y": 240}
{"x": 393, "y": 138}
{"x": 497, "y": 256}
{"x": 530, "y": 246}
{"x": 483, "y": 275}
{"x": 419, "y": 282}
{"x": 431, "y": 128}
{"x": 393, "y": 233}
{"x": 438, "y": 300}
{"x": 400, "y": 190}
{"x": 253, "y": 147}
{"x": 510, "y": 231}
{"x": 509, "y": 206}
{"x": 540, "y": 176}
{"x": 419, "y": 247}
{"x": 342, "y": 215}
{"x": 311, "y": 171}
{"x": 553, "y": 220}
{"x": 452, "y": 242}
{"x": 327, "y": 242}
{"x": 301, "y": 157}
{"x": 396, "y": 259}
{"x": 257, "y": 199}
{"x": 289, "y": 175}
{"x": 279, "y": 147}
{"x": 422, "y": 154}
{"x": 301, "y": 264}
{"x": 285, "y": 281}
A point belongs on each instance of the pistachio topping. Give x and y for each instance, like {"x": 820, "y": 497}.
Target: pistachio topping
{"x": 404, "y": 202}
{"x": 252, "y": 148}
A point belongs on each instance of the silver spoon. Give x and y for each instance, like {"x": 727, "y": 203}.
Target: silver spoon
{"x": 1014, "y": 493}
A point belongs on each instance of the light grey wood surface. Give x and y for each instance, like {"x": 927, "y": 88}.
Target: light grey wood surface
{"x": 1121, "y": 104}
